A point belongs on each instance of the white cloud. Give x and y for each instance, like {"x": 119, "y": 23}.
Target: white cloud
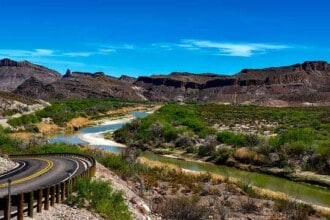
{"x": 43, "y": 52}
{"x": 231, "y": 49}
{"x": 77, "y": 54}
{"x": 27, "y": 53}
{"x": 107, "y": 50}
{"x": 187, "y": 46}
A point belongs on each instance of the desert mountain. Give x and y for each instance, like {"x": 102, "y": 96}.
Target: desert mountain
{"x": 13, "y": 74}
{"x": 299, "y": 83}
{"x": 79, "y": 85}
{"x": 307, "y": 82}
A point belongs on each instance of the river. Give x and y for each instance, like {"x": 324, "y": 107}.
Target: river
{"x": 304, "y": 192}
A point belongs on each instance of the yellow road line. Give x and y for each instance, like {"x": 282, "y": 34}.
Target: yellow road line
{"x": 49, "y": 166}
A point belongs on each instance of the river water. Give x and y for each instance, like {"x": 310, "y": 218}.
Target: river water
{"x": 304, "y": 192}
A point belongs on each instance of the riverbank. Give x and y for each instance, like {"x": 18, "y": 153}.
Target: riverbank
{"x": 98, "y": 139}
{"x": 297, "y": 176}
{"x": 120, "y": 120}
{"x": 261, "y": 192}
{"x": 47, "y": 128}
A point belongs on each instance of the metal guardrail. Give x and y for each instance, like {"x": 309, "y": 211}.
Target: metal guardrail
{"x": 45, "y": 196}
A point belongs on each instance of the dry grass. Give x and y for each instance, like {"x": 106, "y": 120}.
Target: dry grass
{"x": 47, "y": 128}
{"x": 79, "y": 122}
{"x": 24, "y": 136}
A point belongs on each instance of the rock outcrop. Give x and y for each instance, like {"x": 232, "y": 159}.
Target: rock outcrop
{"x": 6, "y": 165}
{"x": 300, "y": 83}
{"x": 307, "y": 82}
{"x": 13, "y": 74}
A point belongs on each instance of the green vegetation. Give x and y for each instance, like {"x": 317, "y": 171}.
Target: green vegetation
{"x": 97, "y": 195}
{"x": 65, "y": 110}
{"x": 8, "y": 145}
{"x": 24, "y": 120}
{"x": 275, "y": 137}
{"x": 100, "y": 197}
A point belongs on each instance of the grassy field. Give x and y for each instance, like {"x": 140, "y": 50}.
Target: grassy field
{"x": 295, "y": 138}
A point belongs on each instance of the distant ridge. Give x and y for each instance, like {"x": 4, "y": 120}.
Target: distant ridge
{"x": 308, "y": 82}
{"x": 13, "y": 74}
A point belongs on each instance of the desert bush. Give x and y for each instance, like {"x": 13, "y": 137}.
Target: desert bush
{"x": 293, "y": 210}
{"x": 246, "y": 155}
{"x": 220, "y": 156}
{"x": 249, "y": 206}
{"x": 296, "y": 148}
{"x": 183, "y": 208}
{"x": 184, "y": 141}
{"x": 252, "y": 140}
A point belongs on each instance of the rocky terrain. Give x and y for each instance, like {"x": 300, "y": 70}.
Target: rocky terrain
{"x": 13, "y": 73}
{"x": 6, "y": 164}
{"x": 307, "y": 82}
{"x": 299, "y": 84}
{"x": 79, "y": 85}
{"x": 12, "y": 105}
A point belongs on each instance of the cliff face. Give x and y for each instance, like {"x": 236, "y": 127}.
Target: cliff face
{"x": 307, "y": 82}
{"x": 13, "y": 74}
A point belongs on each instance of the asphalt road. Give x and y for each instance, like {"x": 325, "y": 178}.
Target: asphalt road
{"x": 41, "y": 172}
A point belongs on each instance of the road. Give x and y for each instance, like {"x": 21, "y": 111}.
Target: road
{"x": 38, "y": 172}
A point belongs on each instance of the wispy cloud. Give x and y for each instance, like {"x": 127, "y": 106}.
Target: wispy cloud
{"x": 108, "y": 48}
{"x": 52, "y": 53}
{"x": 164, "y": 46}
{"x": 231, "y": 49}
{"x": 27, "y": 53}
{"x": 77, "y": 54}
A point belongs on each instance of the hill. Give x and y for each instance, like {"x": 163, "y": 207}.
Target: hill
{"x": 298, "y": 84}
{"x": 13, "y": 74}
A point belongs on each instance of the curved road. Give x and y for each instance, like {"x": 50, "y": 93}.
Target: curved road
{"x": 38, "y": 172}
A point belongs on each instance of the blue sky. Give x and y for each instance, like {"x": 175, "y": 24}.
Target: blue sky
{"x": 145, "y": 37}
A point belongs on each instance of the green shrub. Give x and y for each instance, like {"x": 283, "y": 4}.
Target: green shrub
{"x": 220, "y": 156}
{"x": 231, "y": 138}
{"x": 100, "y": 196}
{"x": 24, "y": 120}
{"x": 297, "y": 148}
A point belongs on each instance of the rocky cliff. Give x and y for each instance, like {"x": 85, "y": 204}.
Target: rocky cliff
{"x": 306, "y": 82}
{"x": 13, "y": 74}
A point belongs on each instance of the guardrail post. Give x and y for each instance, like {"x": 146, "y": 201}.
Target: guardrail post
{"x": 93, "y": 170}
{"x": 62, "y": 191}
{"x": 70, "y": 186}
{"x": 66, "y": 189}
{"x": 58, "y": 193}
{"x": 7, "y": 208}
{"x": 52, "y": 196}
{"x": 30, "y": 204}
{"x": 39, "y": 201}
{"x": 20, "y": 206}
{"x": 46, "y": 199}
{"x": 73, "y": 183}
